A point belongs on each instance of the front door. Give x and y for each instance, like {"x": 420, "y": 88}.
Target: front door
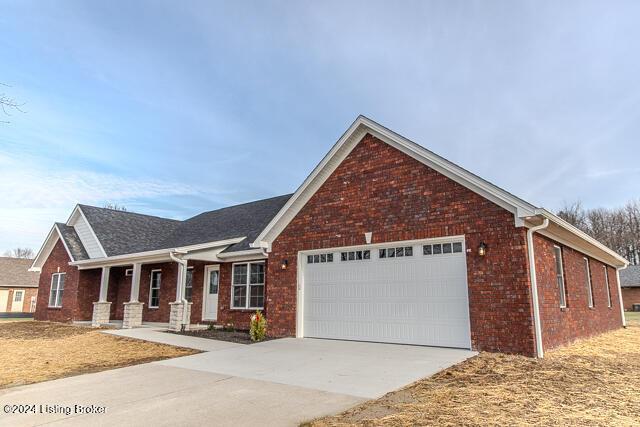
{"x": 18, "y": 301}
{"x": 4, "y": 299}
{"x": 211, "y": 284}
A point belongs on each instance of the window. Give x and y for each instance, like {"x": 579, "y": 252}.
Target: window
{"x": 587, "y": 272}
{"x": 213, "y": 281}
{"x": 248, "y": 285}
{"x": 188, "y": 286}
{"x": 355, "y": 255}
{"x": 17, "y": 296}
{"x": 57, "y": 288}
{"x": 319, "y": 258}
{"x": 395, "y": 252}
{"x": 154, "y": 291}
{"x": 128, "y": 272}
{"x": 606, "y": 283}
{"x": 442, "y": 248}
{"x": 557, "y": 253}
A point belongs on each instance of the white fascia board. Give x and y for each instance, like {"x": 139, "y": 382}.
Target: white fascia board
{"x": 151, "y": 256}
{"x": 47, "y": 247}
{"x": 360, "y": 127}
{"x": 242, "y": 255}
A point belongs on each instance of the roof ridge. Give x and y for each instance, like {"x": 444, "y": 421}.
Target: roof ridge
{"x": 129, "y": 212}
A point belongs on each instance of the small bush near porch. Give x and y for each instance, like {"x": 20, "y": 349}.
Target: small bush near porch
{"x": 592, "y": 382}
{"x": 39, "y": 351}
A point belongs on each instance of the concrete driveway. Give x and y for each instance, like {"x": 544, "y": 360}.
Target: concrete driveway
{"x": 280, "y": 382}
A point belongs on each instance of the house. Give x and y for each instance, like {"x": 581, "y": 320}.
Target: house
{"x": 630, "y": 284}
{"x": 18, "y": 287}
{"x": 384, "y": 241}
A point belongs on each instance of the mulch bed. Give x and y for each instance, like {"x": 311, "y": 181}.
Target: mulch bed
{"x": 239, "y": 337}
{"x": 592, "y": 382}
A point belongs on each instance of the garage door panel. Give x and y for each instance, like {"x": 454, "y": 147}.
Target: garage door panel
{"x": 415, "y": 300}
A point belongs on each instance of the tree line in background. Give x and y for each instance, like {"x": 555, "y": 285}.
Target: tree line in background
{"x": 618, "y": 228}
{"x": 20, "y": 253}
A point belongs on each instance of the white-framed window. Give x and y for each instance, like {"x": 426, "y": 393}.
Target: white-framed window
{"x": 395, "y": 252}
{"x": 188, "y": 287}
{"x": 128, "y": 272}
{"x": 319, "y": 258}
{"x": 355, "y": 255}
{"x": 442, "y": 248}
{"x": 18, "y": 296}
{"x": 587, "y": 272}
{"x": 57, "y": 288}
{"x": 606, "y": 283}
{"x": 248, "y": 285}
{"x": 557, "y": 254}
{"x": 154, "y": 288}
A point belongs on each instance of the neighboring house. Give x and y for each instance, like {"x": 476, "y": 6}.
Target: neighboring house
{"x": 18, "y": 286}
{"x": 384, "y": 241}
{"x": 630, "y": 283}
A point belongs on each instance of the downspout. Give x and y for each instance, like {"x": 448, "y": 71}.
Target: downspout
{"x": 182, "y": 272}
{"x": 624, "y": 321}
{"x": 534, "y": 286}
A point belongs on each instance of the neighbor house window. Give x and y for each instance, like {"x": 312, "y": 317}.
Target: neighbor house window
{"x": 557, "y": 253}
{"x": 606, "y": 283}
{"x": 587, "y": 272}
{"x": 188, "y": 287}
{"x": 154, "y": 290}
{"x": 57, "y": 288}
{"x": 17, "y": 296}
{"x": 248, "y": 285}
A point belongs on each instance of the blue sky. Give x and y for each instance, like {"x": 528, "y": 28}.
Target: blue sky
{"x": 173, "y": 108}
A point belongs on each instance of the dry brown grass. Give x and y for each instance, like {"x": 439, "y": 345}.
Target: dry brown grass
{"x": 31, "y": 352}
{"x": 592, "y": 382}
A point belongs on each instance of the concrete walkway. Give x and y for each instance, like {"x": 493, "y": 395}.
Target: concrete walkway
{"x": 279, "y": 382}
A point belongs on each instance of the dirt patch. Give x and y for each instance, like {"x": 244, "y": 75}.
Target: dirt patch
{"x": 594, "y": 382}
{"x": 40, "y": 351}
{"x": 238, "y": 337}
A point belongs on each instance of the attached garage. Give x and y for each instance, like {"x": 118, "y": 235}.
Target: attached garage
{"x": 412, "y": 292}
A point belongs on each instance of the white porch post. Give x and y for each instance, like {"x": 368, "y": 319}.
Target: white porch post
{"x": 180, "y": 315}
{"x": 102, "y": 307}
{"x": 133, "y": 309}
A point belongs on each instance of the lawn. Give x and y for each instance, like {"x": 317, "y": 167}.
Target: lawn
{"x": 592, "y": 382}
{"x": 39, "y": 351}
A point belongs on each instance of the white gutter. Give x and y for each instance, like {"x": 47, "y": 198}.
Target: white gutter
{"x": 534, "y": 286}
{"x": 182, "y": 275}
{"x": 624, "y": 321}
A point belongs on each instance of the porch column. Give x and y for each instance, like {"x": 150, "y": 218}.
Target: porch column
{"x": 102, "y": 307}
{"x": 132, "y": 317}
{"x": 180, "y": 314}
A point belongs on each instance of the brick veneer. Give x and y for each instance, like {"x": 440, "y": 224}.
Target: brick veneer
{"x": 563, "y": 325}
{"x": 630, "y": 296}
{"x": 379, "y": 189}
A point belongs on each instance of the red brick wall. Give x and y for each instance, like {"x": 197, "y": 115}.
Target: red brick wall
{"x": 26, "y": 298}
{"x": 88, "y": 292}
{"x": 58, "y": 261}
{"x": 377, "y": 188}
{"x": 630, "y": 296}
{"x": 562, "y": 326}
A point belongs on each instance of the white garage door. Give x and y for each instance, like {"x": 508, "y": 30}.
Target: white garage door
{"x": 413, "y": 293}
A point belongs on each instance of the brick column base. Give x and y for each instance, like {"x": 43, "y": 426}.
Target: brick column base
{"x": 101, "y": 311}
{"x": 175, "y": 317}
{"x": 132, "y": 317}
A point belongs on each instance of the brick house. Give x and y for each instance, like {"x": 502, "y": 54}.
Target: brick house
{"x": 18, "y": 287}
{"x": 630, "y": 284}
{"x": 384, "y": 241}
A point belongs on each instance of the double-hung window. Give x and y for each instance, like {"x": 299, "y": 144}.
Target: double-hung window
{"x": 587, "y": 272}
{"x": 188, "y": 287}
{"x": 606, "y": 283}
{"x": 154, "y": 289}
{"x": 57, "y": 288}
{"x": 248, "y": 285}
{"x": 557, "y": 253}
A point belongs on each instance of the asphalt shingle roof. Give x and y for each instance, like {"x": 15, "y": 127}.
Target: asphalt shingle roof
{"x": 13, "y": 273}
{"x": 630, "y": 277}
{"x": 122, "y": 232}
{"x": 72, "y": 241}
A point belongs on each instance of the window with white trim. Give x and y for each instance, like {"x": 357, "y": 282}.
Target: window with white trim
{"x": 587, "y": 272}
{"x": 395, "y": 252}
{"x": 17, "y": 296}
{"x": 188, "y": 286}
{"x": 606, "y": 283}
{"x": 557, "y": 254}
{"x": 57, "y": 288}
{"x": 248, "y": 285}
{"x": 319, "y": 258}
{"x": 442, "y": 248}
{"x": 355, "y": 255}
{"x": 154, "y": 289}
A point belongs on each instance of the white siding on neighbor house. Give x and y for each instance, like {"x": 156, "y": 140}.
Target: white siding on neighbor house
{"x": 86, "y": 236}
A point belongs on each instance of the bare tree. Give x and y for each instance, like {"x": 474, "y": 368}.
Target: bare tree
{"x": 115, "y": 207}
{"x": 20, "y": 253}
{"x": 8, "y": 104}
